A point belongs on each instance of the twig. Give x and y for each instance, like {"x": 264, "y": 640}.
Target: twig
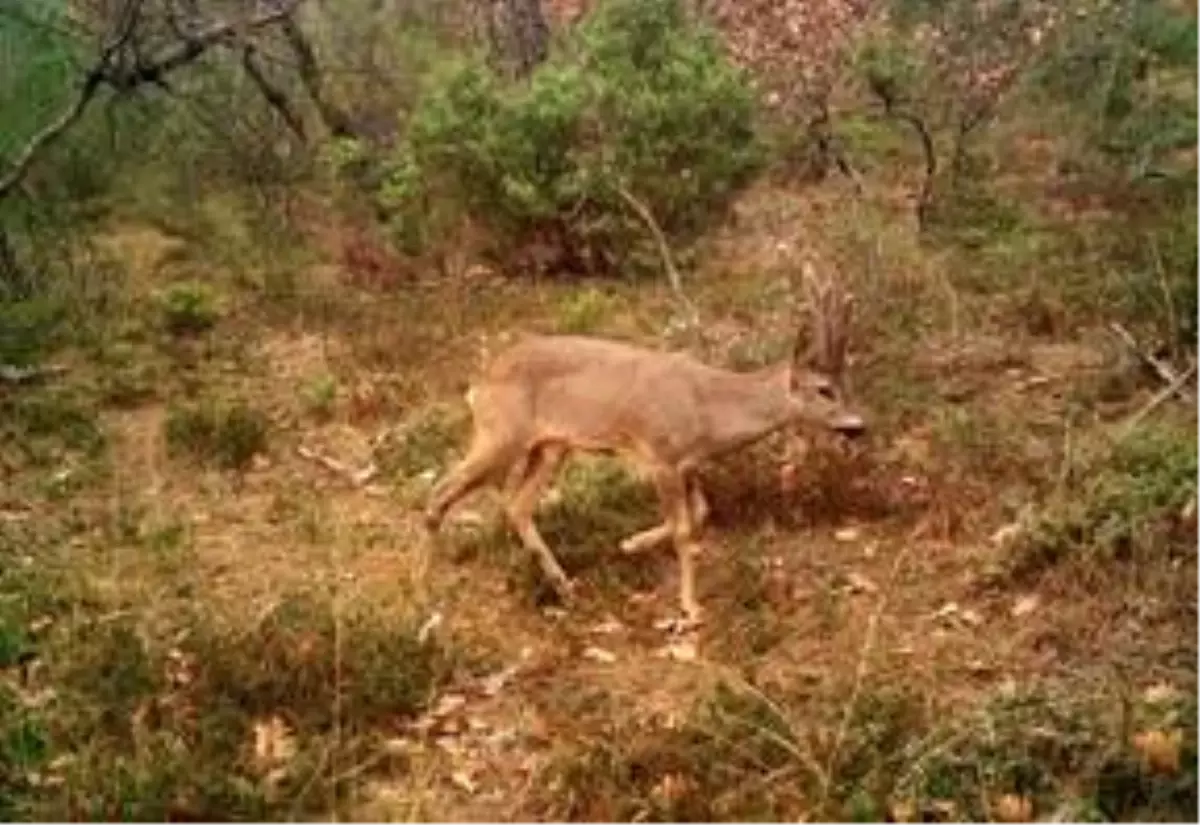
{"x": 1168, "y": 299}
{"x": 123, "y": 78}
{"x": 12, "y": 374}
{"x": 925, "y": 197}
{"x": 337, "y": 121}
{"x": 275, "y": 96}
{"x": 356, "y": 477}
{"x": 664, "y": 250}
{"x": 860, "y": 673}
{"x": 1157, "y": 401}
{"x": 1160, "y": 368}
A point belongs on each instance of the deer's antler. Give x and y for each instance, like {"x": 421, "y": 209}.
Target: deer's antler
{"x": 829, "y": 308}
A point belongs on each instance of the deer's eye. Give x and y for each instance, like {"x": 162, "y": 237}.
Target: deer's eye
{"x": 826, "y": 392}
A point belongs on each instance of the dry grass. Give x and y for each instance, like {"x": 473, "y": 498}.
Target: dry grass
{"x": 273, "y": 641}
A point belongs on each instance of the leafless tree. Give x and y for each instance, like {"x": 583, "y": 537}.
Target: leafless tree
{"x": 519, "y": 35}
{"x": 142, "y": 43}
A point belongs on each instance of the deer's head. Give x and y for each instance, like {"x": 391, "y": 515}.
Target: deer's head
{"x": 816, "y": 374}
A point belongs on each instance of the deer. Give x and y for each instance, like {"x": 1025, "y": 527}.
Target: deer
{"x": 665, "y": 412}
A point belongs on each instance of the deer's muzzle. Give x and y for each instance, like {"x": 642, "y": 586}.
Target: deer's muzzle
{"x": 849, "y": 425}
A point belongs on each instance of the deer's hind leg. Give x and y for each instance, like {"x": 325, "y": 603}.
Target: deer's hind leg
{"x": 483, "y": 461}
{"x": 541, "y": 465}
{"x": 661, "y": 533}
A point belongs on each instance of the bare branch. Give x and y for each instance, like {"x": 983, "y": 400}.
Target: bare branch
{"x": 12, "y": 374}
{"x": 337, "y": 121}
{"x": 356, "y": 477}
{"x": 107, "y": 71}
{"x": 1156, "y": 365}
{"x": 1160, "y": 398}
{"x": 274, "y": 96}
{"x": 887, "y": 97}
{"x": 664, "y": 250}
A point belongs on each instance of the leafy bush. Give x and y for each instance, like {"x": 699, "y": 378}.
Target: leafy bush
{"x": 212, "y": 721}
{"x": 227, "y": 435}
{"x": 639, "y": 98}
{"x": 1127, "y": 70}
{"x": 1127, "y": 510}
{"x": 189, "y": 308}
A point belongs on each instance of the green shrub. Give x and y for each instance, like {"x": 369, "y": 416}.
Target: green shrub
{"x": 638, "y": 98}
{"x": 189, "y": 308}
{"x": 1125, "y": 510}
{"x": 1127, "y": 72}
{"x": 228, "y": 435}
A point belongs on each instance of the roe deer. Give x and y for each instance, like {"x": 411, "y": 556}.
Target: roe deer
{"x": 665, "y": 411}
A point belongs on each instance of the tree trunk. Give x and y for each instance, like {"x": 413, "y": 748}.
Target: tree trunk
{"x": 519, "y": 34}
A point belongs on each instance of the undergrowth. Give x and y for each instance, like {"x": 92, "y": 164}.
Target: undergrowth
{"x": 1122, "y": 505}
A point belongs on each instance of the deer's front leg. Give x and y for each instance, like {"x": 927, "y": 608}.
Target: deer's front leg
{"x": 542, "y": 466}
{"x": 674, "y": 497}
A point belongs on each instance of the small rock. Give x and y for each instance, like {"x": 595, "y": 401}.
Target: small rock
{"x": 869, "y": 550}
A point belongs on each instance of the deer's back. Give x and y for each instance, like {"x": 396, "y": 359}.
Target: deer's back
{"x": 597, "y": 393}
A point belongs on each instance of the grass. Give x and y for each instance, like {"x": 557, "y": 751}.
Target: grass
{"x": 177, "y": 644}
{"x": 740, "y": 755}
{"x": 228, "y": 435}
{"x": 1127, "y": 508}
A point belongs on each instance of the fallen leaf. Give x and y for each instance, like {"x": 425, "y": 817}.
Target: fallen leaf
{"x": 944, "y": 808}
{"x": 599, "y": 654}
{"x": 1159, "y": 749}
{"x": 448, "y": 703}
{"x": 1160, "y": 694}
{"x": 1013, "y": 808}
{"x": 904, "y": 810}
{"x": 684, "y": 651}
{"x": 274, "y": 743}
{"x": 971, "y": 617}
{"x": 947, "y": 610}
{"x": 608, "y": 627}
{"x": 1025, "y": 605}
{"x": 495, "y": 683}
{"x": 463, "y": 781}
{"x": 847, "y": 534}
{"x": 1006, "y": 534}
{"x": 428, "y": 626}
{"x": 858, "y": 583}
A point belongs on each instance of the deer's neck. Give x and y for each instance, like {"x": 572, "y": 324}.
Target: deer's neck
{"x": 744, "y": 407}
